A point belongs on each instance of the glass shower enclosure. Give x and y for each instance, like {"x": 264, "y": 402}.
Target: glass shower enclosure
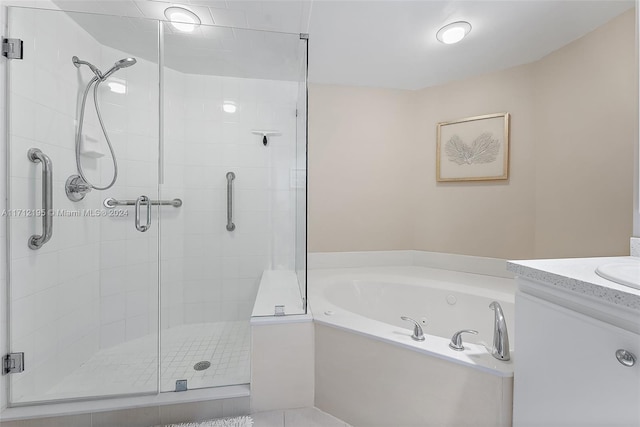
{"x": 148, "y": 285}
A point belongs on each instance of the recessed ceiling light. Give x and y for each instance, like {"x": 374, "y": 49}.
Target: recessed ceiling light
{"x": 454, "y": 32}
{"x": 182, "y": 19}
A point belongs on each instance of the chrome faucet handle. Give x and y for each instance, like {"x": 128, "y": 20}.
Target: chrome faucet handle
{"x": 418, "y": 335}
{"x": 456, "y": 339}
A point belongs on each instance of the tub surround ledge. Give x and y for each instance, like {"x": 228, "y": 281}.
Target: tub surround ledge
{"x": 634, "y": 247}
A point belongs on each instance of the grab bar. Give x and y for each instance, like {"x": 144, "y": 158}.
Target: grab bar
{"x": 37, "y": 156}
{"x": 112, "y": 203}
{"x": 230, "y": 177}
{"x": 139, "y": 202}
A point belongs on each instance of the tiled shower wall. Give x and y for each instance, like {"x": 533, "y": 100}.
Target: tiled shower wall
{"x": 129, "y": 258}
{"x": 209, "y": 273}
{"x": 66, "y": 300}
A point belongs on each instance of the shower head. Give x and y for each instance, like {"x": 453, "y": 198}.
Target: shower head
{"x": 78, "y": 62}
{"x": 123, "y": 63}
{"x": 126, "y": 62}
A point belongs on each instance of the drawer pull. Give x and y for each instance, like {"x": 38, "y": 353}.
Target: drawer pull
{"x": 626, "y": 357}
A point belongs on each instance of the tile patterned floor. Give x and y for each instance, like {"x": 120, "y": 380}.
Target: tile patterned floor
{"x": 227, "y": 345}
{"x": 131, "y": 367}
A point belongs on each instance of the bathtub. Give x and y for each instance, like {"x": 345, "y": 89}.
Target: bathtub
{"x": 367, "y": 364}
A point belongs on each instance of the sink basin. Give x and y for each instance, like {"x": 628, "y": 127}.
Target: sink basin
{"x": 624, "y": 273}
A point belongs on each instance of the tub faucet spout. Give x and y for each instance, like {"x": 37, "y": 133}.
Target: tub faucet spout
{"x": 500, "y": 348}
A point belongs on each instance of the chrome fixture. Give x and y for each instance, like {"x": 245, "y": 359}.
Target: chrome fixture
{"x": 626, "y": 358}
{"x": 456, "y": 339}
{"x": 500, "y": 348}
{"x": 202, "y": 365}
{"x": 418, "y": 335}
{"x": 12, "y": 48}
{"x": 37, "y": 156}
{"x": 142, "y": 200}
{"x": 111, "y": 203}
{"x": 181, "y": 385}
{"x": 230, "y": 177}
{"x": 13, "y": 363}
{"x": 123, "y": 63}
{"x": 78, "y": 186}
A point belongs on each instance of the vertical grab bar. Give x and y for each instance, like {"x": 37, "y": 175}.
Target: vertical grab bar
{"x": 37, "y": 156}
{"x": 230, "y": 177}
{"x": 139, "y": 202}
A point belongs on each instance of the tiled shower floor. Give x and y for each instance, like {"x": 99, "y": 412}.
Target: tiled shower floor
{"x": 131, "y": 367}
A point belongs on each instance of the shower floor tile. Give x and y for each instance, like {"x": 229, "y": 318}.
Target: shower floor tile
{"x": 131, "y": 367}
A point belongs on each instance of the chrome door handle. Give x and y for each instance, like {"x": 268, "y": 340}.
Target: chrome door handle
{"x": 139, "y": 202}
{"x": 230, "y": 177}
{"x": 37, "y": 156}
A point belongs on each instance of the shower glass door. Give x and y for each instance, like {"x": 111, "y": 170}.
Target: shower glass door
{"x": 83, "y": 301}
{"x": 234, "y": 145}
{"x": 148, "y": 285}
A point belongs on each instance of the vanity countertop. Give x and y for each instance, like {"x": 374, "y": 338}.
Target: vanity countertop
{"x": 577, "y": 275}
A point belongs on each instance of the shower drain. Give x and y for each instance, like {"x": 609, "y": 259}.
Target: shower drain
{"x": 201, "y": 366}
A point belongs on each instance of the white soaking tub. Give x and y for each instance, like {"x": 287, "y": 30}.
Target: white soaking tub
{"x": 370, "y": 372}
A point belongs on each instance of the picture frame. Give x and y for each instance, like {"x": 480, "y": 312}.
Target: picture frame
{"x": 473, "y": 149}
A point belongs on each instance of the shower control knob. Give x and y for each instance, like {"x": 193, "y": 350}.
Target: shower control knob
{"x": 626, "y": 358}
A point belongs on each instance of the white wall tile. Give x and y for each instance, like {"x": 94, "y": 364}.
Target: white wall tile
{"x": 112, "y": 334}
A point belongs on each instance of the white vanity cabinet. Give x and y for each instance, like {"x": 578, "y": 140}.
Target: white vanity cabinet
{"x": 566, "y": 369}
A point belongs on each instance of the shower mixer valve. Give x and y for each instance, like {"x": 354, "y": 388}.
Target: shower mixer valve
{"x": 76, "y": 188}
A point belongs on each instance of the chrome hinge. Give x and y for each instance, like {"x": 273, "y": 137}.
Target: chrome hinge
{"x": 181, "y": 385}
{"x": 13, "y": 363}
{"x": 12, "y": 48}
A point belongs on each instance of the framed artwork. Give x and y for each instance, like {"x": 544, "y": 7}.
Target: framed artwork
{"x": 473, "y": 149}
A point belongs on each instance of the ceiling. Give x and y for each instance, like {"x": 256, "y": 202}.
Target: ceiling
{"x": 226, "y": 44}
{"x": 387, "y": 44}
{"x": 392, "y": 43}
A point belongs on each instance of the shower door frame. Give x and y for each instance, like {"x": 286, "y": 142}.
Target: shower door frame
{"x": 159, "y": 181}
{"x": 9, "y": 149}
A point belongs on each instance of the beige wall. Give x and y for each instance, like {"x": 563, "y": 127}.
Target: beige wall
{"x": 495, "y": 219}
{"x": 360, "y": 149}
{"x": 586, "y": 98}
{"x": 372, "y": 159}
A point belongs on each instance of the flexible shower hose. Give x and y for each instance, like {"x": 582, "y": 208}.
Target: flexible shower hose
{"x": 104, "y": 131}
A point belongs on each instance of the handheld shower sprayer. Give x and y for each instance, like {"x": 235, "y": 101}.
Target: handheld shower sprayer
{"x": 123, "y": 63}
{"x": 78, "y": 186}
